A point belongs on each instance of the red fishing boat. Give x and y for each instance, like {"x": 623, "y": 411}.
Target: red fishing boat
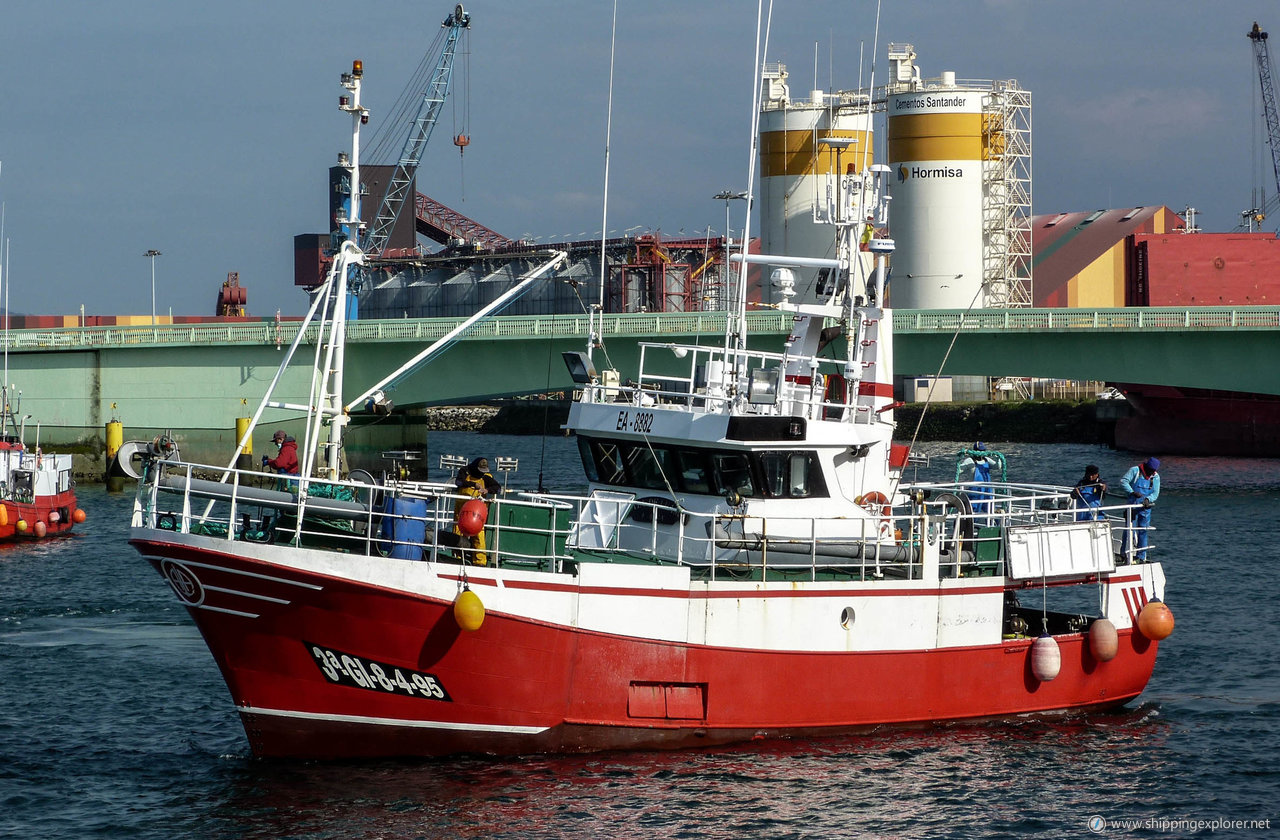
{"x": 37, "y": 492}
{"x": 747, "y": 562}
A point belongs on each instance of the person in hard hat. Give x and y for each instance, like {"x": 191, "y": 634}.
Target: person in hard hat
{"x": 1087, "y": 495}
{"x": 1142, "y": 484}
{"x": 286, "y": 460}
{"x": 474, "y": 482}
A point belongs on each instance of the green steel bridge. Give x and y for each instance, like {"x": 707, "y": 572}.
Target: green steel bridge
{"x": 204, "y": 376}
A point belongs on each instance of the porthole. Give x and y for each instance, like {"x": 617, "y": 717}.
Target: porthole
{"x": 847, "y": 617}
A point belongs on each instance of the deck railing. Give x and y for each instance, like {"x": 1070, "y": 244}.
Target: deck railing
{"x": 548, "y": 533}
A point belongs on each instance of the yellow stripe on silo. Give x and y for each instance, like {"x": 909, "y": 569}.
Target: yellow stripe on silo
{"x": 790, "y": 153}
{"x": 937, "y": 137}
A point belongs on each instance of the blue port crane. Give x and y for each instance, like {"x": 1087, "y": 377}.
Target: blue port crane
{"x": 402, "y": 180}
{"x": 1263, "y": 59}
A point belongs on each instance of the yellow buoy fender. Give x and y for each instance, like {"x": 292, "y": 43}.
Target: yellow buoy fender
{"x": 468, "y": 611}
{"x": 1156, "y": 620}
{"x": 21, "y": 526}
{"x": 1046, "y": 659}
{"x": 1103, "y": 640}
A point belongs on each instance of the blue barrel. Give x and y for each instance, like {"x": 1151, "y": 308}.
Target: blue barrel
{"x": 399, "y": 531}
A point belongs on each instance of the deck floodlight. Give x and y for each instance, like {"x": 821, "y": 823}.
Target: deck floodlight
{"x": 764, "y": 386}
{"x": 581, "y": 370}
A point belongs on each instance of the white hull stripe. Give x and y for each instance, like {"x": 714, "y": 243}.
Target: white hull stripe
{"x": 230, "y": 571}
{"x": 221, "y": 610}
{"x": 416, "y": 724}
{"x": 253, "y": 595}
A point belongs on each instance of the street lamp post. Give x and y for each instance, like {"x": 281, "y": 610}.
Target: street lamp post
{"x": 726, "y": 196}
{"x": 153, "y": 253}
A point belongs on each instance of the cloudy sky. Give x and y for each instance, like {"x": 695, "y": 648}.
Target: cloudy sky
{"x": 205, "y": 130}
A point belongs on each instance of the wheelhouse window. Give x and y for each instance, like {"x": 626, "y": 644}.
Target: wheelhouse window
{"x": 651, "y": 467}
{"x": 733, "y": 474}
{"x": 695, "y": 473}
{"x": 602, "y": 461}
{"x": 778, "y": 474}
{"x": 791, "y": 475}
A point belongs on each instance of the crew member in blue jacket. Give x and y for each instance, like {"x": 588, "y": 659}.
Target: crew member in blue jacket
{"x": 1087, "y": 495}
{"x": 1142, "y": 484}
{"x": 980, "y": 490}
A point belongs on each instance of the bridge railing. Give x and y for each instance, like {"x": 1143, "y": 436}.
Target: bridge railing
{"x": 400, "y": 329}
{"x": 648, "y": 324}
{"x": 1056, "y": 320}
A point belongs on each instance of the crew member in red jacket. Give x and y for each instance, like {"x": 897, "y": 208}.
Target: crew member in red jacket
{"x": 287, "y": 461}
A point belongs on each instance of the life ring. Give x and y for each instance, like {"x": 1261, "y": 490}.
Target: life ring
{"x": 877, "y": 504}
{"x": 874, "y": 502}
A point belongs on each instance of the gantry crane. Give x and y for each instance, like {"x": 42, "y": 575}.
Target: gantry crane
{"x": 401, "y": 183}
{"x": 1263, "y": 59}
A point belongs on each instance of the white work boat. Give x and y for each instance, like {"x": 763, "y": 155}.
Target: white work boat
{"x": 747, "y": 562}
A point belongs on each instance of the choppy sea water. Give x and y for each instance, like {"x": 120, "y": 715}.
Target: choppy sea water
{"x": 114, "y": 721}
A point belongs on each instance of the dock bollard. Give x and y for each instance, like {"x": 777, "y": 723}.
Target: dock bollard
{"x": 245, "y": 461}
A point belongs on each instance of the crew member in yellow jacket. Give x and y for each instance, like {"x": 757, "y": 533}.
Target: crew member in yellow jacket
{"x": 476, "y": 482}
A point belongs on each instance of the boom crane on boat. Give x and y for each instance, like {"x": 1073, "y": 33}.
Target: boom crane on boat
{"x": 402, "y": 181}
{"x": 1263, "y": 59}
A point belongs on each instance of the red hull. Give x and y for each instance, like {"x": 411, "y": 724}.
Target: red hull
{"x": 1189, "y": 421}
{"x": 63, "y": 504}
{"x": 519, "y": 686}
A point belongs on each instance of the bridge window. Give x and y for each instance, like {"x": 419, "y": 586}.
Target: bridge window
{"x": 602, "y": 461}
{"x": 733, "y": 474}
{"x": 651, "y": 468}
{"x": 791, "y": 475}
{"x": 695, "y": 476}
{"x": 780, "y": 474}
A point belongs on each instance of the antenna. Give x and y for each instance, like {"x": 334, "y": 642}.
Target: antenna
{"x": 604, "y": 218}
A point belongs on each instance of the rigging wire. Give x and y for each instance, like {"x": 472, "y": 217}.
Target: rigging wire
{"x": 928, "y": 400}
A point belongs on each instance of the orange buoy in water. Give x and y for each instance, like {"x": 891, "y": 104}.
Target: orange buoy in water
{"x": 468, "y": 611}
{"x": 40, "y": 528}
{"x": 78, "y": 516}
{"x": 1046, "y": 659}
{"x": 1103, "y": 640}
{"x": 472, "y": 516}
{"x": 1156, "y": 620}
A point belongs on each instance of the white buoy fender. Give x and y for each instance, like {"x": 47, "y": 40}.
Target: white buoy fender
{"x": 468, "y": 611}
{"x": 1104, "y": 642}
{"x": 1156, "y": 620}
{"x": 1046, "y": 659}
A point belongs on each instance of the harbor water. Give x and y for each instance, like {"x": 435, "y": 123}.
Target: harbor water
{"x": 114, "y": 721}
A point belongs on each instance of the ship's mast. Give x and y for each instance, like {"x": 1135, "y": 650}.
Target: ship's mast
{"x": 350, "y": 257}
